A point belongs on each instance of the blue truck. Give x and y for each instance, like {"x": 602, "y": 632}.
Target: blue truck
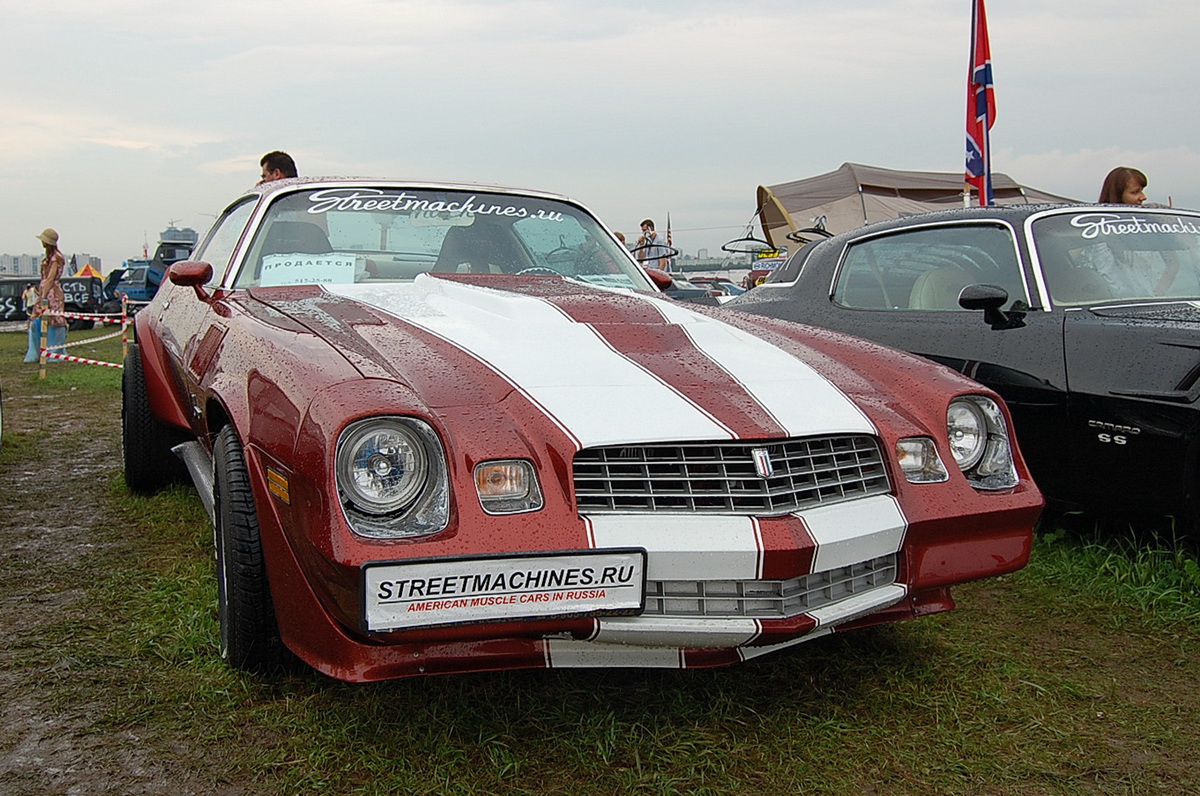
{"x": 139, "y": 278}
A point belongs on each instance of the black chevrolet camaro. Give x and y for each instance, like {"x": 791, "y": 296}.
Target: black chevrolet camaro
{"x": 1085, "y": 318}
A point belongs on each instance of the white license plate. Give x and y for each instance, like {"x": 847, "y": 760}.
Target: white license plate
{"x": 402, "y": 595}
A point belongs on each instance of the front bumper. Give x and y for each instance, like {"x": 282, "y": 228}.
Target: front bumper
{"x": 722, "y": 552}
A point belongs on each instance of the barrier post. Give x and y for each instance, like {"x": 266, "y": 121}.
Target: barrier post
{"x": 124, "y": 326}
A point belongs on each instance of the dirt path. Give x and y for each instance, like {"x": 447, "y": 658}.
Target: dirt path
{"x": 57, "y": 528}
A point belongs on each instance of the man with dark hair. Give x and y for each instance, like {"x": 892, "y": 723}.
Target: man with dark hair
{"x": 277, "y": 166}
{"x": 649, "y": 249}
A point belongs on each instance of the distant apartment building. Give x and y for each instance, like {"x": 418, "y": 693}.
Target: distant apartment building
{"x": 27, "y": 264}
{"x": 19, "y": 264}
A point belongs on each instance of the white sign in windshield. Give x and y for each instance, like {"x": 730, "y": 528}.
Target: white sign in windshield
{"x": 307, "y": 269}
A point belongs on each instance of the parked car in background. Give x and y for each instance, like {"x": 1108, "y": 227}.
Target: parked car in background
{"x": 138, "y": 279}
{"x": 760, "y": 269}
{"x": 680, "y": 288}
{"x": 720, "y": 287}
{"x": 448, "y": 428}
{"x": 1084, "y": 318}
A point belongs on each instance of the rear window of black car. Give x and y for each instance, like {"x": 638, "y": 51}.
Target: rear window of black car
{"x": 925, "y": 269}
{"x": 791, "y": 269}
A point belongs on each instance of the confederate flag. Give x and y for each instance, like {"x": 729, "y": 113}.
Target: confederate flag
{"x": 981, "y": 106}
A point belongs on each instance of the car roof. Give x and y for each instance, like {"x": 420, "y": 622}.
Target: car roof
{"x": 1013, "y": 214}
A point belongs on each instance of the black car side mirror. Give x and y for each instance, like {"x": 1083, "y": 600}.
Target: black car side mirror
{"x": 990, "y": 298}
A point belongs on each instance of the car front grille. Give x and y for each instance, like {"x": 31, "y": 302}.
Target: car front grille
{"x": 722, "y": 477}
{"x": 766, "y": 599}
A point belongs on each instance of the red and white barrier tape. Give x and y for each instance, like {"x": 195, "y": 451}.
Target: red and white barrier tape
{"x": 87, "y": 340}
{"x": 68, "y": 358}
{"x": 79, "y": 316}
{"x": 121, "y": 318}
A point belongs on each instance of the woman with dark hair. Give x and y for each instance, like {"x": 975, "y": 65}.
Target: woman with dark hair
{"x": 1124, "y": 186}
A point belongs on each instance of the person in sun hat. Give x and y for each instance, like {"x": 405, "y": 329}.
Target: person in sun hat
{"x": 50, "y": 292}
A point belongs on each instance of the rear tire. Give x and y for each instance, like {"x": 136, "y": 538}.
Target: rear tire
{"x": 145, "y": 442}
{"x": 249, "y": 631}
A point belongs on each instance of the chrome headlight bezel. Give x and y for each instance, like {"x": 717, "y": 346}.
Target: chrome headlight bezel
{"x": 391, "y": 477}
{"x": 508, "y": 486}
{"x": 967, "y": 428}
{"x": 980, "y": 442}
{"x": 919, "y": 461}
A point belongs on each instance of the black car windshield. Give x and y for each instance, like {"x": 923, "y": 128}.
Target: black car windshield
{"x": 342, "y": 235}
{"x": 133, "y": 275}
{"x": 1119, "y": 255}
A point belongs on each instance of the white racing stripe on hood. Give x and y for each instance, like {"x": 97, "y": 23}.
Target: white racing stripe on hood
{"x": 563, "y": 366}
{"x": 801, "y": 400}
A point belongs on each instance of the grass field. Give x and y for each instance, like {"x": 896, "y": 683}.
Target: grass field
{"x": 1076, "y": 675}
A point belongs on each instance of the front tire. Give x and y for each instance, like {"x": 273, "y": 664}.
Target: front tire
{"x": 145, "y": 442}
{"x": 249, "y": 631}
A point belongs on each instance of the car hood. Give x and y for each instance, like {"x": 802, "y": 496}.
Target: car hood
{"x": 1170, "y": 312}
{"x": 597, "y": 361}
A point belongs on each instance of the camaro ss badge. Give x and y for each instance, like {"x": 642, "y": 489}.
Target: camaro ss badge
{"x": 762, "y": 462}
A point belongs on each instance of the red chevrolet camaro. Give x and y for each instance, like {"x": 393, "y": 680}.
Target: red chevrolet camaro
{"x": 447, "y": 428}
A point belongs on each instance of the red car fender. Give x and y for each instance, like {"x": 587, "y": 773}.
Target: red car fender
{"x": 158, "y": 376}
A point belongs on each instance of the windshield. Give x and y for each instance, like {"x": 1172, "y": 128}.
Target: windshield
{"x": 1119, "y": 255}
{"x": 358, "y": 234}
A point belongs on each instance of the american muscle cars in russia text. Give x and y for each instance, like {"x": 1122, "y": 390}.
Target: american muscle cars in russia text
{"x": 453, "y": 428}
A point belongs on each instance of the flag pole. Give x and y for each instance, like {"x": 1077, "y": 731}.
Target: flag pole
{"x": 981, "y": 108}
{"x": 670, "y": 261}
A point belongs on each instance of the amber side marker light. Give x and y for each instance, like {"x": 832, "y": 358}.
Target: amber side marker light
{"x": 278, "y": 484}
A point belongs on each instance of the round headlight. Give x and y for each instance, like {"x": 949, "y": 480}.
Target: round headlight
{"x": 968, "y": 431}
{"x": 382, "y": 465}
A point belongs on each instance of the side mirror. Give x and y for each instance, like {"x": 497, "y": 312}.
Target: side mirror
{"x": 661, "y": 279}
{"x": 990, "y": 298}
{"x": 191, "y": 273}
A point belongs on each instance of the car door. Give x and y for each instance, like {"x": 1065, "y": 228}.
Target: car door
{"x": 1127, "y": 280}
{"x": 194, "y": 332}
{"x": 1134, "y": 374}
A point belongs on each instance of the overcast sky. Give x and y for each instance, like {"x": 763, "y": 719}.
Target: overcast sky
{"x": 120, "y": 116}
